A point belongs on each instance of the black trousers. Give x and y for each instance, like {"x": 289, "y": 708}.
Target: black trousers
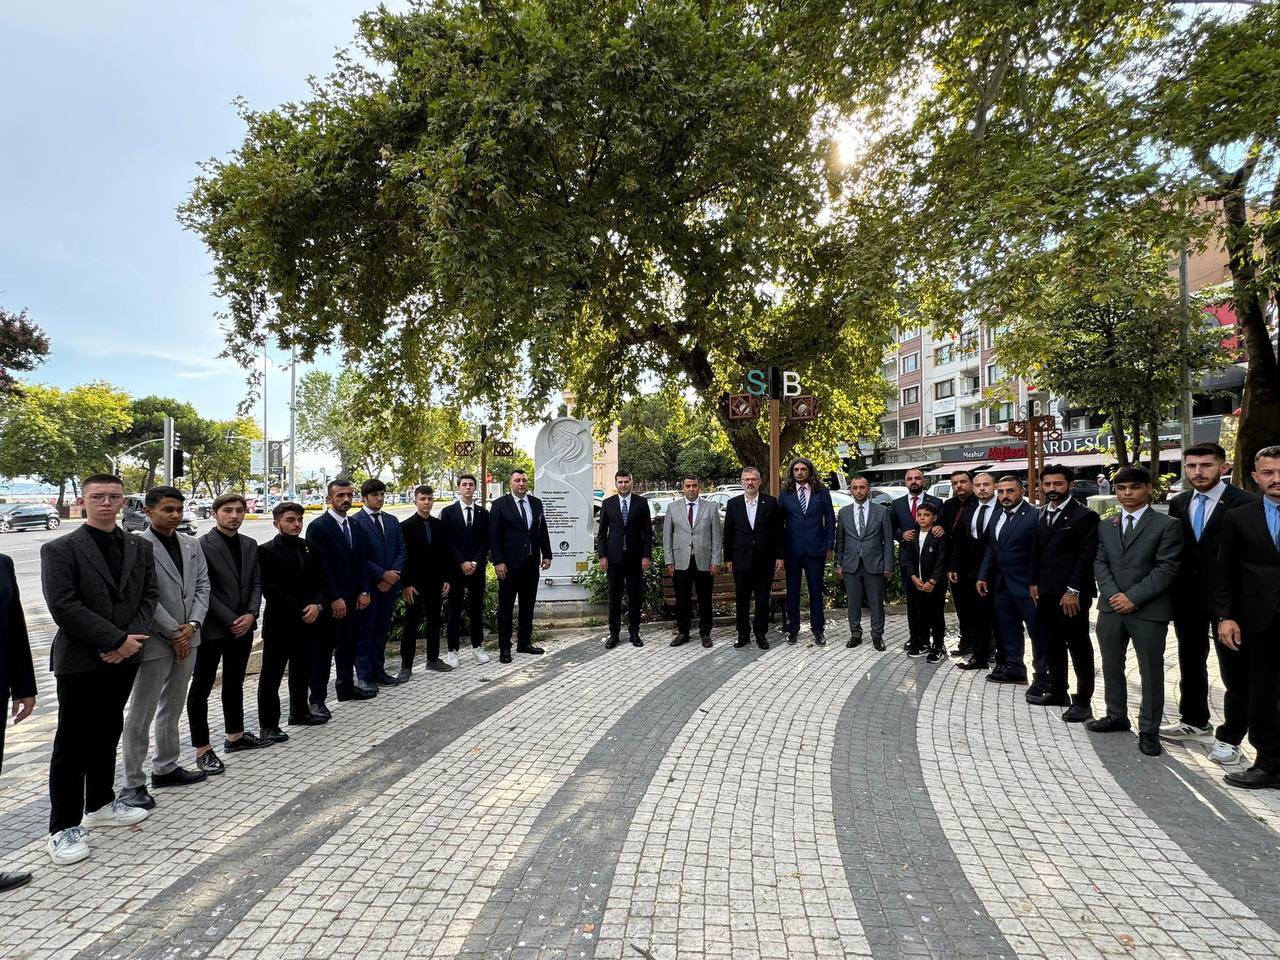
{"x": 466, "y": 593}
{"x": 1235, "y": 670}
{"x": 82, "y": 770}
{"x": 1262, "y": 654}
{"x": 752, "y": 585}
{"x": 424, "y": 610}
{"x": 339, "y": 642}
{"x": 1193, "y": 629}
{"x": 234, "y": 654}
{"x": 626, "y": 576}
{"x": 926, "y": 615}
{"x": 520, "y": 584}
{"x": 965, "y": 596}
{"x": 977, "y": 616}
{"x": 1063, "y": 636}
{"x": 686, "y": 582}
{"x": 293, "y": 647}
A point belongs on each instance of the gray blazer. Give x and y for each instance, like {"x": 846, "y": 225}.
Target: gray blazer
{"x": 231, "y": 594}
{"x": 874, "y": 549}
{"x": 705, "y": 540}
{"x": 1144, "y": 569}
{"x": 183, "y": 596}
{"x": 92, "y": 611}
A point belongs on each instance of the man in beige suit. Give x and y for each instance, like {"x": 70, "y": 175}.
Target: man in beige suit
{"x": 692, "y": 542}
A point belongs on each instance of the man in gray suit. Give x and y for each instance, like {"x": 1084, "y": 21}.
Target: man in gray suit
{"x": 864, "y": 557}
{"x": 160, "y": 689}
{"x": 692, "y": 542}
{"x": 1138, "y": 553}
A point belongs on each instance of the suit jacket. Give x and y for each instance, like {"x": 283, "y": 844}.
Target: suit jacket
{"x": 874, "y": 549}
{"x": 429, "y": 562}
{"x": 234, "y": 591}
{"x": 1198, "y": 566}
{"x": 705, "y": 542}
{"x": 1009, "y": 556}
{"x": 636, "y": 536}
{"x": 183, "y": 597}
{"x": 93, "y": 612}
{"x": 466, "y": 543}
{"x": 17, "y": 672}
{"x": 1064, "y": 553}
{"x": 1247, "y": 579}
{"x": 952, "y": 511}
{"x": 811, "y": 533}
{"x": 748, "y": 547}
{"x": 291, "y": 581}
{"x": 386, "y": 550}
{"x": 900, "y": 513}
{"x": 510, "y": 540}
{"x": 928, "y": 561}
{"x": 344, "y": 569}
{"x": 967, "y": 551}
{"x": 1144, "y": 569}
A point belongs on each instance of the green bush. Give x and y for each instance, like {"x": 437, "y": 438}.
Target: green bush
{"x": 655, "y": 606}
{"x": 490, "y": 611}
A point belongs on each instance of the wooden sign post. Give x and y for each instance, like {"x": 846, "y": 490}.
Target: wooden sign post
{"x": 1035, "y": 430}
{"x": 780, "y": 385}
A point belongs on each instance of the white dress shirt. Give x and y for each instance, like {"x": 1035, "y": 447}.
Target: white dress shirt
{"x": 991, "y": 505}
{"x": 752, "y": 506}
{"x": 684, "y": 509}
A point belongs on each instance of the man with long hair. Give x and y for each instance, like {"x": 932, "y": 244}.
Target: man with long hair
{"x": 809, "y": 541}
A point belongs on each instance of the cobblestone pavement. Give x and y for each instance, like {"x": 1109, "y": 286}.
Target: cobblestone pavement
{"x": 807, "y": 802}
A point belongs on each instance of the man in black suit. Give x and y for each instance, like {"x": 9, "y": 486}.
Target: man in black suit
{"x": 924, "y": 574}
{"x": 426, "y": 582}
{"x": 624, "y": 547}
{"x": 1201, "y": 510}
{"x": 17, "y": 674}
{"x": 753, "y": 554}
{"x": 953, "y": 514}
{"x": 1062, "y": 586}
{"x": 290, "y": 574}
{"x": 100, "y": 587}
{"x": 903, "y": 511}
{"x": 521, "y": 546}
{"x": 466, "y": 526}
{"x": 975, "y": 612}
{"x": 1247, "y": 601}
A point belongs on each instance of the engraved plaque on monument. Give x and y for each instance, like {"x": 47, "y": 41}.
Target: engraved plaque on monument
{"x": 562, "y": 456}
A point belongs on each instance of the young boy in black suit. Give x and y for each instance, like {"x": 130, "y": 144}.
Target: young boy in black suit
{"x": 924, "y": 574}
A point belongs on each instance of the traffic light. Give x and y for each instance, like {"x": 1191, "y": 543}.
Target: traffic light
{"x": 178, "y": 466}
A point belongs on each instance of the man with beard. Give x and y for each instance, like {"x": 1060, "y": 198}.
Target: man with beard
{"x": 975, "y": 612}
{"x": 953, "y": 515}
{"x": 903, "y": 512}
{"x": 809, "y": 541}
{"x": 753, "y": 554}
{"x": 1006, "y": 573}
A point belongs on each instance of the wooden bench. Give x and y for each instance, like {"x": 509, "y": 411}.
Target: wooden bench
{"x": 722, "y": 593}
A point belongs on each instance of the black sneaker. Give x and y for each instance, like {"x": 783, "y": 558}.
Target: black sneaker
{"x": 209, "y": 764}
{"x": 439, "y": 666}
{"x": 935, "y": 655}
{"x": 177, "y": 777}
{"x": 915, "y": 652}
{"x": 136, "y": 797}
{"x": 246, "y": 741}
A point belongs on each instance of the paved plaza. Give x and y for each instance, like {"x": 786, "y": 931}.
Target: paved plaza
{"x": 805, "y": 802}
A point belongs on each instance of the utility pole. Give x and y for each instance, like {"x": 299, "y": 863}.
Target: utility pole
{"x": 293, "y": 422}
{"x": 484, "y": 461}
{"x": 166, "y": 459}
{"x": 775, "y": 431}
{"x": 1184, "y": 284}
{"x": 266, "y": 437}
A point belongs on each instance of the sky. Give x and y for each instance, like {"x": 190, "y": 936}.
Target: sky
{"x": 108, "y": 108}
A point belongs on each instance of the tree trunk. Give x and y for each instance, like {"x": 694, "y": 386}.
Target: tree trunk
{"x": 1154, "y": 460}
{"x": 62, "y": 496}
{"x": 1118, "y": 433}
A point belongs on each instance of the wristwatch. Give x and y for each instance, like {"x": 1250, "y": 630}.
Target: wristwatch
{"x": 194, "y": 624}
{"x": 1073, "y": 591}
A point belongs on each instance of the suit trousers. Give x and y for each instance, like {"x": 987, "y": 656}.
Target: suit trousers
{"x": 337, "y": 646}
{"x": 1062, "y": 636}
{"x": 1234, "y": 667}
{"x": 466, "y": 593}
{"x": 159, "y": 694}
{"x": 371, "y": 655}
{"x": 1148, "y": 636}
{"x": 425, "y": 609}
{"x": 977, "y": 616}
{"x": 1262, "y": 653}
{"x": 752, "y": 585}
{"x": 234, "y": 653}
{"x": 293, "y": 647}
{"x": 626, "y": 576}
{"x": 1193, "y": 629}
{"x": 861, "y": 584}
{"x": 82, "y": 770}
{"x": 926, "y": 615}
{"x": 1012, "y": 610}
{"x": 965, "y": 597}
{"x": 519, "y": 586}
{"x": 812, "y": 569}
{"x": 686, "y": 582}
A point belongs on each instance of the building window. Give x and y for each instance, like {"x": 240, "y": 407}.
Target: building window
{"x": 971, "y": 419}
{"x": 911, "y": 363}
{"x": 890, "y": 371}
{"x": 994, "y": 334}
{"x": 909, "y": 334}
{"x": 995, "y": 374}
{"x": 968, "y": 343}
{"x": 943, "y": 389}
{"x": 969, "y": 386}
{"x": 910, "y": 395}
{"x": 942, "y": 355}
{"x": 1002, "y": 414}
{"x": 910, "y": 428}
{"x": 945, "y": 424}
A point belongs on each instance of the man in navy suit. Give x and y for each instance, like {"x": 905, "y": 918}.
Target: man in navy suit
{"x": 521, "y": 546}
{"x": 467, "y": 527}
{"x": 17, "y": 673}
{"x": 624, "y": 547}
{"x": 808, "y": 542}
{"x": 386, "y": 558}
{"x": 1006, "y": 572}
{"x": 340, "y": 546}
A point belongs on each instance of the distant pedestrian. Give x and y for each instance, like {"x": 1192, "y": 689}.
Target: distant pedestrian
{"x": 1104, "y": 485}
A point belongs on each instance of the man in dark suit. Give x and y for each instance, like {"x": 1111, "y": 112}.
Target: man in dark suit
{"x": 1200, "y": 510}
{"x": 466, "y": 526}
{"x": 17, "y": 674}
{"x": 903, "y": 511}
{"x": 924, "y": 574}
{"x": 100, "y": 587}
{"x": 624, "y": 547}
{"x": 291, "y": 578}
{"x": 1137, "y": 563}
{"x": 953, "y": 514}
{"x": 227, "y": 633}
{"x": 968, "y": 549}
{"x": 340, "y": 546}
{"x": 1247, "y": 603}
{"x": 386, "y": 559}
{"x": 752, "y": 544}
{"x": 808, "y": 542}
{"x": 1006, "y": 575}
{"x": 426, "y": 581}
{"x": 521, "y": 545}
{"x": 1062, "y": 587}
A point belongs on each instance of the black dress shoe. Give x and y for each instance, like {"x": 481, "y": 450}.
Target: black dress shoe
{"x": 137, "y": 797}
{"x": 853, "y": 642}
{"x": 529, "y": 648}
{"x": 762, "y": 643}
{"x": 1108, "y": 725}
{"x": 1149, "y": 743}
{"x": 177, "y": 777}
{"x": 209, "y": 764}
{"x": 9, "y": 879}
{"x": 246, "y": 741}
{"x": 792, "y": 637}
{"x": 706, "y": 642}
{"x": 1035, "y": 690}
{"x": 636, "y": 641}
{"x": 971, "y": 664}
{"x": 439, "y": 666}
{"x": 819, "y": 639}
{"x": 273, "y": 735}
{"x": 680, "y": 640}
{"x": 611, "y": 642}
{"x": 308, "y": 720}
{"x": 362, "y": 691}
{"x": 1003, "y": 676}
{"x": 320, "y": 710}
{"x": 504, "y": 657}
{"x": 1048, "y": 699}
{"x": 961, "y": 651}
{"x": 1254, "y": 778}
{"x": 1077, "y": 713}
{"x": 385, "y": 679}
{"x": 878, "y": 643}
{"x": 741, "y": 642}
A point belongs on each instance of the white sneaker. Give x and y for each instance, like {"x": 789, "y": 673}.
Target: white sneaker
{"x": 479, "y": 654}
{"x": 1225, "y": 753}
{"x": 1178, "y": 732}
{"x": 115, "y": 814}
{"x": 68, "y": 846}
{"x": 451, "y": 659}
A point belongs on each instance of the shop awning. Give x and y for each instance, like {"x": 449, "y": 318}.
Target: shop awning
{"x": 948, "y": 468}
{"x": 904, "y": 467}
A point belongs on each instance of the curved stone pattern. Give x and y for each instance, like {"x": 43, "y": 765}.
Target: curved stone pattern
{"x": 1068, "y": 866}
{"x": 911, "y": 893}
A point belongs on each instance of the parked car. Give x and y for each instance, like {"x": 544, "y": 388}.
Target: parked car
{"x": 27, "y": 516}
{"x": 892, "y": 490}
{"x": 134, "y": 517}
{"x": 658, "y": 507}
{"x": 660, "y": 494}
{"x": 1082, "y": 490}
{"x": 202, "y": 507}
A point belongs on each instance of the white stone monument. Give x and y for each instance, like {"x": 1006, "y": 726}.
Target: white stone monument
{"x": 562, "y": 455}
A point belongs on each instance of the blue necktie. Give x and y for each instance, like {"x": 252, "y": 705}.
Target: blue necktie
{"x": 804, "y": 500}
{"x": 623, "y": 501}
{"x": 1197, "y": 521}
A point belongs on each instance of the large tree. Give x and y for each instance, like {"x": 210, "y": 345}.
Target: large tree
{"x": 23, "y": 347}
{"x": 147, "y": 415}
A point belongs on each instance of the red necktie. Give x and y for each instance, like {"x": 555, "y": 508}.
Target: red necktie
{"x": 690, "y": 514}
{"x": 913, "y": 507}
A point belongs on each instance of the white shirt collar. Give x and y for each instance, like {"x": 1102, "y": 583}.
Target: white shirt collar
{"x": 1137, "y": 514}
{"x": 372, "y": 513}
{"x": 337, "y": 516}
{"x": 1214, "y": 493}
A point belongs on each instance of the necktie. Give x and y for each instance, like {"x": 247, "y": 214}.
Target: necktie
{"x": 914, "y": 501}
{"x": 625, "y": 511}
{"x": 468, "y": 515}
{"x": 426, "y": 525}
{"x": 804, "y": 499}
{"x": 1051, "y": 516}
{"x": 1128, "y": 527}
{"x": 982, "y": 517}
{"x": 1008, "y": 516}
{"x": 377, "y": 522}
{"x": 346, "y": 531}
{"x": 523, "y": 516}
{"x": 1197, "y": 522}
{"x": 861, "y": 518}
{"x": 690, "y": 514}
